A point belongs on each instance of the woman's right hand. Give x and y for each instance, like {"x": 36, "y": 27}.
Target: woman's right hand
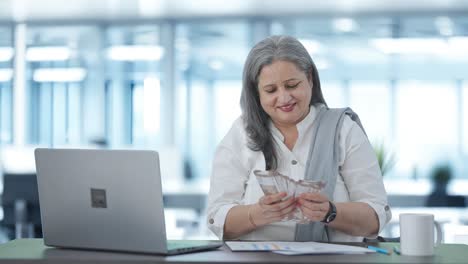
{"x": 271, "y": 208}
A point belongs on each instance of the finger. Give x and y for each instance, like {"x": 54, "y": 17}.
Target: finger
{"x": 280, "y": 215}
{"x": 316, "y": 197}
{"x": 313, "y": 215}
{"x": 323, "y": 207}
{"x": 287, "y": 202}
{"x": 277, "y": 215}
{"x": 288, "y": 210}
{"x": 274, "y": 198}
{"x": 280, "y": 205}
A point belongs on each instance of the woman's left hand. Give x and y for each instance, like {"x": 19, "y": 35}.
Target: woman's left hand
{"x": 314, "y": 206}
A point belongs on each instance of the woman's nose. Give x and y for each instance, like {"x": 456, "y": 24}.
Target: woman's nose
{"x": 284, "y": 96}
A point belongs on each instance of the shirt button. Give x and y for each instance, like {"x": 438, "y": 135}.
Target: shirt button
{"x": 211, "y": 221}
{"x": 294, "y": 162}
{"x": 387, "y": 208}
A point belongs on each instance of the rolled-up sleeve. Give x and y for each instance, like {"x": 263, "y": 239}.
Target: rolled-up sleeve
{"x": 361, "y": 173}
{"x": 227, "y": 187}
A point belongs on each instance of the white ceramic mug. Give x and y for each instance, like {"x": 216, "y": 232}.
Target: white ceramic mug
{"x": 417, "y": 234}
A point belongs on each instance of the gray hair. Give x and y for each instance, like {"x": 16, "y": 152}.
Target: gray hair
{"x": 256, "y": 120}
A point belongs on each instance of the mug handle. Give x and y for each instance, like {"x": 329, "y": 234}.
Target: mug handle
{"x": 439, "y": 233}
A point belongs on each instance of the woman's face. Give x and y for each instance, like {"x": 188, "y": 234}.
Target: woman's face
{"x": 285, "y": 93}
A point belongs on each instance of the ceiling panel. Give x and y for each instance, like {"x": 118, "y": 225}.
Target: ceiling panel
{"x": 19, "y": 10}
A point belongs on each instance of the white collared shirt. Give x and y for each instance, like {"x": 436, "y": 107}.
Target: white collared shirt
{"x": 233, "y": 182}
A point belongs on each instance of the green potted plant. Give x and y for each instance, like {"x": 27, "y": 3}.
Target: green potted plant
{"x": 385, "y": 158}
{"x": 441, "y": 176}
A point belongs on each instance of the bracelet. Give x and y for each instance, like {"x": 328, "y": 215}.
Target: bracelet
{"x": 250, "y": 217}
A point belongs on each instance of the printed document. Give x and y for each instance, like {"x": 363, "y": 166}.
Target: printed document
{"x": 296, "y": 248}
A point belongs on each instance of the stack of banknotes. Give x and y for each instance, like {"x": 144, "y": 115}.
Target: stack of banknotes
{"x": 273, "y": 182}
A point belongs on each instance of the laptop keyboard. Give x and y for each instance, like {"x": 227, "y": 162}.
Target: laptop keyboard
{"x": 185, "y": 245}
{"x": 174, "y": 244}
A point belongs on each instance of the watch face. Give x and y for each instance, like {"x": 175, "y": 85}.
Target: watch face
{"x": 331, "y": 217}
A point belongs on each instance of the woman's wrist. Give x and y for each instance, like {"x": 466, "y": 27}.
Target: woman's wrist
{"x": 250, "y": 217}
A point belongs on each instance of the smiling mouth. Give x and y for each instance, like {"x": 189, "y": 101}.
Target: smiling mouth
{"x": 287, "y": 108}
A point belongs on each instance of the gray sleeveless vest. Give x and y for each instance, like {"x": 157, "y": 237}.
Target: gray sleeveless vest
{"x": 322, "y": 162}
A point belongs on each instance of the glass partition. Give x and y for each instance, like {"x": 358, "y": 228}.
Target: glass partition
{"x": 371, "y": 101}
{"x": 62, "y": 68}
{"x": 464, "y": 119}
{"x": 426, "y": 126}
{"x": 134, "y": 82}
{"x": 209, "y": 61}
{"x": 6, "y": 84}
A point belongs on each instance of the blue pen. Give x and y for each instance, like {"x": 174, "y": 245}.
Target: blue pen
{"x": 396, "y": 250}
{"x": 379, "y": 250}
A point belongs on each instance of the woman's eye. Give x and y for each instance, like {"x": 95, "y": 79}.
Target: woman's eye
{"x": 289, "y": 86}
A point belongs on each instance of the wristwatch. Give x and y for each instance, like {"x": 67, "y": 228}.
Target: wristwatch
{"x": 331, "y": 215}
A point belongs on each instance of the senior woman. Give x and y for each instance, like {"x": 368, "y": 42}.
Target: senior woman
{"x": 287, "y": 127}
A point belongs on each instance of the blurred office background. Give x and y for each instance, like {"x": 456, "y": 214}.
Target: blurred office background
{"x": 166, "y": 75}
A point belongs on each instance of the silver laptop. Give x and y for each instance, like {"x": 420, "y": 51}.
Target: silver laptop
{"x": 105, "y": 200}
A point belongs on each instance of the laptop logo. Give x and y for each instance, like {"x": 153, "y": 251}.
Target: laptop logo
{"x": 98, "y": 198}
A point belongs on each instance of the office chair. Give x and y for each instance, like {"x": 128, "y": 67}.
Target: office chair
{"x": 20, "y": 196}
{"x": 21, "y": 205}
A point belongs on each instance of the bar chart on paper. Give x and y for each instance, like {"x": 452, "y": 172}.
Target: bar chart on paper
{"x": 296, "y": 248}
{"x": 258, "y": 245}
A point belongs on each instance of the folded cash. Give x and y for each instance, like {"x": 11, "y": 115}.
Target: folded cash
{"x": 273, "y": 182}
